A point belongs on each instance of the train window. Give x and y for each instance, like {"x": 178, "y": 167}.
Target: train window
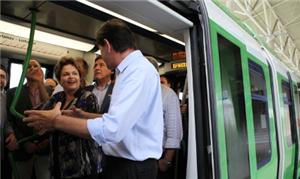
{"x": 233, "y": 109}
{"x": 287, "y": 104}
{"x": 260, "y": 114}
{"x": 17, "y": 68}
{"x": 297, "y": 107}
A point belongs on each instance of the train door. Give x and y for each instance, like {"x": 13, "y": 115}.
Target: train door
{"x": 245, "y": 121}
{"x": 297, "y": 113}
{"x": 263, "y": 121}
{"x": 288, "y": 124}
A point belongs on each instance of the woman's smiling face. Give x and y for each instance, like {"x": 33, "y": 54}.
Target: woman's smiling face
{"x": 70, "y": 78}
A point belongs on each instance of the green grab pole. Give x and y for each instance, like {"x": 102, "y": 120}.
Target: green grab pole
{"x": 12, "y": 108}
{"x": 25, "y": 139}
{"x": 13, "y": 165}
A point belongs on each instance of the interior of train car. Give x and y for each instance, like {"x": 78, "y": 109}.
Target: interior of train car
{"x": 68, "y": 29}
{"x": 49, "y": 52}
{"x": 240, "y": 103}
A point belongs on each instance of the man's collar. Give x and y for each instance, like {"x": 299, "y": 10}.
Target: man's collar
{"x": 128, "y": 60}
{"x": 105, "y": 86}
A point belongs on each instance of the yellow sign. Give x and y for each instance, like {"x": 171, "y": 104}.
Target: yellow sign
{"x": 178, "y": 65}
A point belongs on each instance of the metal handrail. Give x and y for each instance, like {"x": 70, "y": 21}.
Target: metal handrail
{"x": 12, "y": 108}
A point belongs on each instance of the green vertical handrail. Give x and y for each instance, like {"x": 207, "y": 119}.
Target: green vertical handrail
{"x": 13, "y": 166}
{"x": 12, "y": 108}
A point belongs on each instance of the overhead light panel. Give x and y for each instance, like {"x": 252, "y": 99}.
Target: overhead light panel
{"x": 102, "y": 9}
{"x": 21, "y": 31}
{"x": 173, "y": 39}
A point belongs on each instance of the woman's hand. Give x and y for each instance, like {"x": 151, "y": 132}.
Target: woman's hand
{"x": 11, "y": 142}
{"x": 74, "y": 112}
{"x": 79, "y": 113}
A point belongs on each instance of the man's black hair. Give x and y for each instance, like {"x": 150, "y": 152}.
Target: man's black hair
{"x": 118, "y": 34}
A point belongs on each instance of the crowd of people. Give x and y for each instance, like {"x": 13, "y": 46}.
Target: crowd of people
{"x": 127, "y": 124}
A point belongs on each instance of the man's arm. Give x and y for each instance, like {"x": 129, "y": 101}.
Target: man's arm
{"x": 13, "y": 121}
{"x": 44, "y": 120}
{"x": 10, "y": 138}
{"x": 173, "y": 121}
{"x": 166, "y": 161}
{"x": 9, "y": 135}
{"x": 79, "y": 113}
{"x": 72, "y": 125}
{"x": 173, "y": 126}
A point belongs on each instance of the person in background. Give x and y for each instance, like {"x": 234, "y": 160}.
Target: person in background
{"x": 34, "y": 153}
{"x": 51, "y": 83}
{"x": 6, "y": 130}
{"x": 83, "y": 68}
{"x": 172, "y": 129}
{"x": 3, "y": 78}
{"x": 131, "y": 132}
{"x": 103, "y": 85}
{"x": 102, "y": 89}
{"x": 71, "y": 156}
{"x": 165, "y": 81}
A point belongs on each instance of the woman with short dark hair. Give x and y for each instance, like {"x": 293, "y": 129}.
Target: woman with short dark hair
{"x": 71, "y": 156}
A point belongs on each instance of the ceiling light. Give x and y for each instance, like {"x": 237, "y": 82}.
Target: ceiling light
{"x": 95, "y": 6}
{"x": 173, "y": 39}
{"x": 41, "y": 36}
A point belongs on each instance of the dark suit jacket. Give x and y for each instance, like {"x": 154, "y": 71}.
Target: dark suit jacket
{"x": 20, "y": 128}
{"x": 106, "y": 101}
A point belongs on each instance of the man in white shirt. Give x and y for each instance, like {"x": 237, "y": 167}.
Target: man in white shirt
{"x": 131, "y": 133}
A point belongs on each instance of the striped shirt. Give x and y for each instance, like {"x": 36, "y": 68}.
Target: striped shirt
{"x": 172, "y": 119}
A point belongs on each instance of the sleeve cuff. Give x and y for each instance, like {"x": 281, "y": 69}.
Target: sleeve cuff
{"x": 95, "y": 128}
{"x": 172, "y": 144}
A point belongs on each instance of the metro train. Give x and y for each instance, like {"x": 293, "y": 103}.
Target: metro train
{"x": 243, "y": 118}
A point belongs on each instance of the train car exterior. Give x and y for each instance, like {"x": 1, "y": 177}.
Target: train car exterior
{"x": 255, "y": 104}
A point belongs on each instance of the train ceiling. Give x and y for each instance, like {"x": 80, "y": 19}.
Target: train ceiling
{"x": 275, "y": 23}
{"x": 76, "y": 20}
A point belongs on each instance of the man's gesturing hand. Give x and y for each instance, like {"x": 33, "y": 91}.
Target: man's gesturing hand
{"x": 42, "y": 120}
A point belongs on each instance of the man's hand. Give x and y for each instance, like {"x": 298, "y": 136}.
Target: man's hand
{"x": 11, "y": 142}
{"x": 183, "y": 109}
{"x": 163, "y": 165}
{"x": 42, "y": 120}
